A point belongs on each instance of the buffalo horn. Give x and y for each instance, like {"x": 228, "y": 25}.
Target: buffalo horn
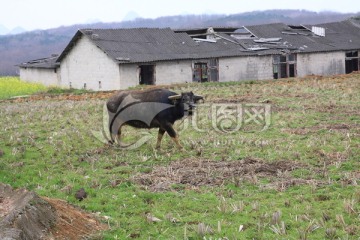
{"x": 174, "y": 97}
{"x": 198, "y": 97}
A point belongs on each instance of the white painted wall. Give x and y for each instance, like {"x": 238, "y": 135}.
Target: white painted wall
{"x": 165, "y": 73}
{"x": 48, "y": 77}
{"x": 173, "y": 72}
{"x": 129, "y": 75}
{"x": 88, "y": 64}
{"x": 330, "y": 63}
{"x": 245, "y": 68}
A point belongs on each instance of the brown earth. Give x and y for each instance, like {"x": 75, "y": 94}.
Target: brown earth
{"x": 25, "y": 215}
{"x": 72, "y": 222}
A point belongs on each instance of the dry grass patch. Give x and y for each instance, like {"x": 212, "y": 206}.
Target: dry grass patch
{"x": 195, "y": 172}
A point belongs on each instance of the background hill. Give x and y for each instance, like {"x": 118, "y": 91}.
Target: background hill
{"x": 18, "y": 48}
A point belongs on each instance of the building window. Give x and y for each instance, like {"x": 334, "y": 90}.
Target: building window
{"x": 284, "y": 66}
{"x": 206, "y": 71}
{"x": 352, "y": 61}
{"x": 200, "y": 72}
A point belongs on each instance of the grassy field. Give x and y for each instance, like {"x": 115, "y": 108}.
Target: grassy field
{"x": 291, "y": 170}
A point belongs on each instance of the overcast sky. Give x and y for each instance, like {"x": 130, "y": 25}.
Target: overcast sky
{"x": 44, "y": 14}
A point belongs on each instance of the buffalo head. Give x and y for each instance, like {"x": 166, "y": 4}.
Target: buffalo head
{"x": 189, "y": 99}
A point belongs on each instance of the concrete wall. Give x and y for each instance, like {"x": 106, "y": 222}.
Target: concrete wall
{"x": 320, "y": 63}
{"x": 48, "y": 77}
{"x": 165, "y": 73}
{"x": 129, "y": 75}
{"x": 87, "y": 64}
{"x": 245, "y": 68}
{"x": 173, "y": 72}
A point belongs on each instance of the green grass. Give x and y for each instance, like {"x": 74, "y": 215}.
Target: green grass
{"x": 315, "y": 125}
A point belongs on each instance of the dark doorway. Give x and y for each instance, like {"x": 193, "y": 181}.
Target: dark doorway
{"x": 351, "y": 62}
{"x": 283, "y": 70}
{"x": 200, "y": 72}
{"x": 147, "y": 74}
{"x": 291, "y": 70}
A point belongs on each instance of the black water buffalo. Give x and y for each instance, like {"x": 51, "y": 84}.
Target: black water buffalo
{"x": 154, "y": 108}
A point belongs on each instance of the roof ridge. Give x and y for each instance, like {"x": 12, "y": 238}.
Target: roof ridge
{"x": 138, "y": 28}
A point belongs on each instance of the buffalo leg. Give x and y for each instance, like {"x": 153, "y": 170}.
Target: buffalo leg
{"x": 118, "y": 136}
{"x": 170, "y": 130}
{"x": 115, "y": 135}
{"x": 160, "y": 136}
{"x": 176, "y": 140}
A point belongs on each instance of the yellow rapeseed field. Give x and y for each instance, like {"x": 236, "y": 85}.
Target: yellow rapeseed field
{"x": 13, "y": 86}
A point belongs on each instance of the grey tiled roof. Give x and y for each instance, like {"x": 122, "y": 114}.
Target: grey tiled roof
{"x": 49, "y": 63}
{"x": 148, "y": 45}
{"x": 142, "y": 45}
{"x": 343, "y": 35}
{"x": 154, "y": 44}
{"x": 339, "y": 36}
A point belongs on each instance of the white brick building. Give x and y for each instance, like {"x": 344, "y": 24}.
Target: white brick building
{"x": 110, "y": 59}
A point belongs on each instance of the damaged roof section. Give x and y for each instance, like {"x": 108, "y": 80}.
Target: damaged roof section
{"x": 277, "y": 38}
{"x": 337, "y": 36}
{"x": 47, "y": 63}
{"x": 244, "y": 40}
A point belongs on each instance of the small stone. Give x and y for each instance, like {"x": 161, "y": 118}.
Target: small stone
{"x": 80, "y": 194}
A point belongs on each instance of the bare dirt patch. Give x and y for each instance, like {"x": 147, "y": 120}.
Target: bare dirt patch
{"x": 25, "y": 215}
{"x": 194, "y": 173}
{"x": 72, "y": 222}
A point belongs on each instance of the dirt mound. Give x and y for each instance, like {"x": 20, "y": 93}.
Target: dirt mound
{"x": 73, "y": 223}
{"x": 194, "y": 173}
{"x": 25, "y": 215}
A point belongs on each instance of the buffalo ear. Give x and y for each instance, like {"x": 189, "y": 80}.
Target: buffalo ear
{"x": 198, "y": 98}
{"x": 174, "y": 97}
